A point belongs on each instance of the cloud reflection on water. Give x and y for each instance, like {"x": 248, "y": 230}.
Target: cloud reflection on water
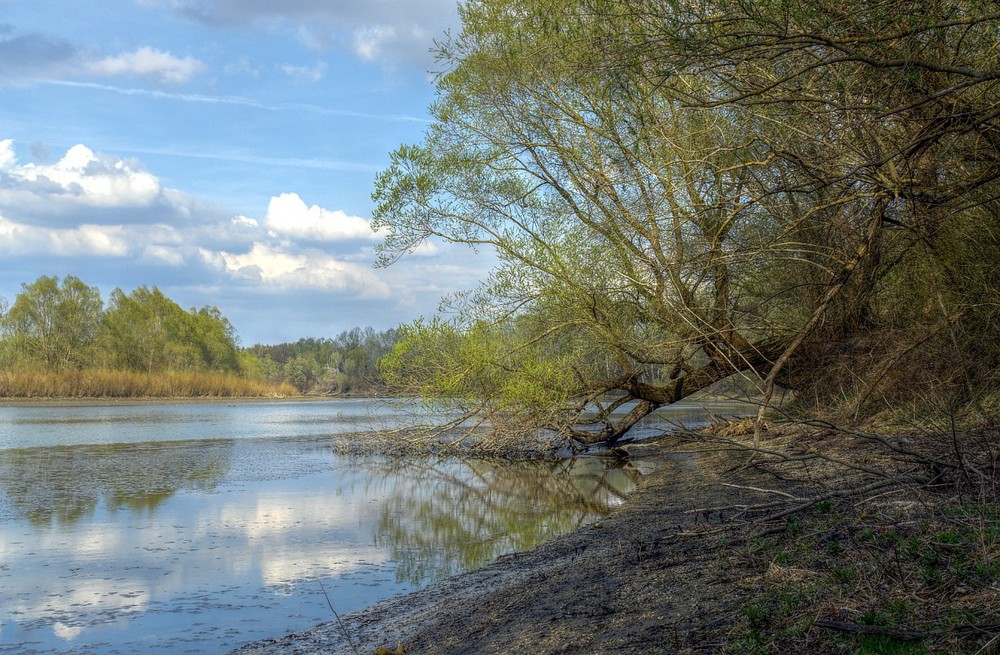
{"x": 154, "y": 546}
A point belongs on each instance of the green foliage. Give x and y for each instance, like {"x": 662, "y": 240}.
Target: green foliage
{"x": 63, "y": 328}
{"x": 344, "y": 364}
{"x": 52, "y": 324}
{"x": 146, "y": 331}
{"x": 677, "y": 193}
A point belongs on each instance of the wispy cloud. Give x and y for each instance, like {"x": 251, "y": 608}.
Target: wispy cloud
{"x": 234, "y": 100}
{"x": 249, "y": 158}
{"x": 305, "y": 73}
{"x": 399, "y": 32}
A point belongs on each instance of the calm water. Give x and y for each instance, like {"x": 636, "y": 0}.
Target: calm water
{"x": 195, "y": 528}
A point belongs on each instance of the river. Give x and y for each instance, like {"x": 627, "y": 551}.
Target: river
{"x": 193, "y": 528}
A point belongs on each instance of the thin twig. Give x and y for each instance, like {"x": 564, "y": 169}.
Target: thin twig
{"x": 988, "y": 644}
{"x": 761, "y": 490}
{"x": 347, "y": 635}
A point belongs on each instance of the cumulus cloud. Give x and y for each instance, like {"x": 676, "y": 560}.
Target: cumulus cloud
{"x": 98, "y": 214}
{"x": 147, "y": 62}
{"x": 81, "y": 177}
{"x": 25, "y": 57}
{"x": 277, "y": 268}
{"x": 288, "y": 215}
{"x": 87, "y": 240}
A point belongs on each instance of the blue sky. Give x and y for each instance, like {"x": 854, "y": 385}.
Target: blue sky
{"x": 222, "y": 150}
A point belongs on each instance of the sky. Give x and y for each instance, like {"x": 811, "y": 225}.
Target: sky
{"x": 222, "y": 150}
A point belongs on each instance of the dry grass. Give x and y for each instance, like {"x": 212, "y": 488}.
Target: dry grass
{"x": 105, "y": 383}
{"x": 867, "y": 543}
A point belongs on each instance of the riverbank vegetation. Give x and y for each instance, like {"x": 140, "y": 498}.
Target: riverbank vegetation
{"x": 804, "y": 191}
{"x": 345, "y": 364}
{"x": 108, "y": 383}
{"x": 59, "y": 340}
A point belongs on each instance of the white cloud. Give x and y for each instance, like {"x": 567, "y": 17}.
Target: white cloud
{"x": 163, "y": 255}
{"x": 113, "y": 223}
{"x": 305, "y": 73}
{"x": 369, "y": 41}
{"x": 35, "y": 56}
{"x": 425, "y": 249}
{"x": 244, "y": 221}
{"x": 278, "y": 268}
{"x": 148, "y": 62}
{"x": 8, "y": 159}
{"x": 288, "y": 215}
{"x": 87, "y": 240}
{"x": 80, "y": 176}
{"x": 375, "y": 42}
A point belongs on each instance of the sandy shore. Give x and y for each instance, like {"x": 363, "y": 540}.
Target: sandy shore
{"x": 627, "y": 584}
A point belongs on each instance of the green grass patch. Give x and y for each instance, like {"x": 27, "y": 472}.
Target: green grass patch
{"x": 931, "y": 571}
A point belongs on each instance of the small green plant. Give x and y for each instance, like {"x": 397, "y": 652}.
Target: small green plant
{"x": 844, "y": 574}
{"x": 793, "y": 526}
{"x": 758, "y": 615}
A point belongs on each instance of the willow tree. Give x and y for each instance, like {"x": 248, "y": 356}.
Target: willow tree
{"x": 633, "y": 266}
{"x": 889, "y": 112}
{"x": 680, "y": 191}
{"x": 53, "y": 324}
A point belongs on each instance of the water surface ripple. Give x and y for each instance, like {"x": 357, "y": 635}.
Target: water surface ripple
{"x": 193, "y": 528}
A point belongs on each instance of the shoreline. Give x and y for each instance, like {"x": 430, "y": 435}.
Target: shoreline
{"x": 624, "y": 584}
{"x": 816, "y": 545}
{"x": 163, "y": 400}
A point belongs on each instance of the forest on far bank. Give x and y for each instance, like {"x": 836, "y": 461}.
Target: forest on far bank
{"x": 59, "y": 338}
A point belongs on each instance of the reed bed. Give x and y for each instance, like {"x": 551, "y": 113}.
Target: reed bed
{"x": 106, "y": 383}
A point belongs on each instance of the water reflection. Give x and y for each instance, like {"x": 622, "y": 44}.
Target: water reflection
{"x": 455, "y": 515}
{"x": 66, "y": 483}
{"x": 164, "y": 545}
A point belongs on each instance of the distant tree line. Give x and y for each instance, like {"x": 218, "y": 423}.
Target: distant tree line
{"x": 63, "y": 326}
{"x": 345, "y": 364}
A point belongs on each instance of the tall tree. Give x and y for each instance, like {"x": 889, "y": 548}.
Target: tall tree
{"x": 890, "y": 111}
{"x": 146, "y": 331}
{"x": 54, "y": 324}
{"x": 618, "y": 214}
{"x": 679, "y": 191}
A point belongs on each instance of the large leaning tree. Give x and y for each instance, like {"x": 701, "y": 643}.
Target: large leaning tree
{"x": 679, "y": 191}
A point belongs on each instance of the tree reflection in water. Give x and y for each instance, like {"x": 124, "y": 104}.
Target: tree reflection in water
{"x": 455, "y": 515}
{"x": 67, "y": 483}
